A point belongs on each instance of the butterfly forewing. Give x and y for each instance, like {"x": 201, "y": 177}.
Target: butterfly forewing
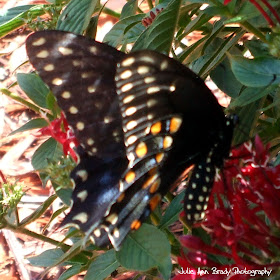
{"x": 81, "y": 72}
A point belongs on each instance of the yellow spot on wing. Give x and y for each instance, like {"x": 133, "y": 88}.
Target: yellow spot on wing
{"x": 128, "y": 99}
{"x": 112, "y": 219}
{"x": 159, "y": 157}
{"x": 82, "y": 195}
{"x": 39, "y": 42}
{"x": 130, "y": 176}
{"x": 136, "y": 224}
{"x": 66, "y": 94}
{"x": 128, "y": 61}
{"x": 175, "y": 124}
{"x": 126, "y": 87}
{"x": 167, "y": 142}
{"x": 49, "y": 67}
{"x": 156, "y": 128}
{"x": 141, "y": 150}
{"x": 130, "y": 111}
{"x": 73, "y": 110}
{"x": 65, "y": 51}
{"x": 126, "y": 74}
{"x": 154, "y": 201}
{"x": 155, "y": 186}
{"x": 149, "y": 181}
{"x": 42, "y": 54}
{"x": 80, "y": 125}
{"x": 57, "y": 81}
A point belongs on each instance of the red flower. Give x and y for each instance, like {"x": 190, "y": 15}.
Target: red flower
{"x": 148, "y": 20}
{"x": 243, "y": 216}
{"x": 262, "y": 11}
{"x": 62, "y": 133}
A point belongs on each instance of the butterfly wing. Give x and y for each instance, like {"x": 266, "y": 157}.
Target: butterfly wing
{"x": 80, "y": 72}
{"x": 159, "y": 99}
{"x": 142, "y": 118}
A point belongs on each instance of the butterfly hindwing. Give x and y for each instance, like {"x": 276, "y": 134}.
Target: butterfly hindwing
{"x": 203, "y": 175}
{"x": 153, "y": 90}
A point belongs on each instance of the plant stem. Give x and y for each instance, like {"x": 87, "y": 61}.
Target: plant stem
{"x": 22, "y": 101}
{"x": 111, "y": 12}
{"x": 263, "y": 12}
{"x": 150, "y": 3}
{"x": 253, "y": 30}
{"x": 273, "y": 11}
{"x": 41, "y": 237}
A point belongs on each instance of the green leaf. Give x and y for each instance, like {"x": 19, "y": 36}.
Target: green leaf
{"x": 160, "y": 34}
{"x": 129, "y": 9}
{"x": 145, "y": 248}
{"x": 65, "y": 195}
{"x": 13, "y": 12}
{"x": 258, "y": 72}
{"x": 248, "y": 116}
{"x": 102, "y": 266}
{"x": 47, "y": 258}
{"x": 165, "y": 268}
{"x": 52, "y": 105}
{"x": 257, "y": 48}
{"x": 9, "y": 23}
{"x": 34, "y": 88}
{"x": 219, "y": 54}
{"x": 54, "y": 215}
{"x": 50, "y": 150}
{"x": 214, "y": 11}
{"x": 91, "y": 29}
{"x": 225, "y": 80}
{"x": 33, "y": 124}
{"x": 197, "y": 23}
{"x": 58, "y": 257}
{"x": 39, "y": 211}
{"x": 172, "y": 212}
{"x": 73, "y": 270}
{"x": 250, "y": 95}
{"x": 125, "y": 30}
{"x": 76, "y": 16}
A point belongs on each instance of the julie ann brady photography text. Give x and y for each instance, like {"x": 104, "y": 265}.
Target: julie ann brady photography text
{"x": 227, "y": 271}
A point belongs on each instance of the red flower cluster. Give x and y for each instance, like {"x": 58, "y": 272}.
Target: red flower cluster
{"x": 60, "y": 130}
{"x": 148, "y": 20}
{"x": 242, "y": 220}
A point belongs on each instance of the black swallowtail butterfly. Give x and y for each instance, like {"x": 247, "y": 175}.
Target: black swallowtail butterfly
{"x": 142, "y": 119}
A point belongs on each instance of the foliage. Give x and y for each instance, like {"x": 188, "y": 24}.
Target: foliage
{"x": 238, "y": 48}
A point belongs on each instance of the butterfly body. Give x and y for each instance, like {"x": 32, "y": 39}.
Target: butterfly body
{"x": 141, "y": 118}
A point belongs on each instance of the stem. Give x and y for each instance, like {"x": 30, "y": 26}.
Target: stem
{"x": 150, "y": 3}
{"x": 169, "y": 197}
{"x": 253, "y": 30}
{"x": 3, "y": 177}
{"x": 41, "y": 237}
{"x": 22, "y": 101}
{"x": 263, "y": 12}
{"x": 111, "y": 13}
{"x": 272, "y": 10}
